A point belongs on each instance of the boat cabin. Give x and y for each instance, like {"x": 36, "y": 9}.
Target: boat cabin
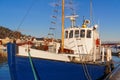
{"x": 80, "y": 40}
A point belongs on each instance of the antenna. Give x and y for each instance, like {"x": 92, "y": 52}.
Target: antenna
{"x": 90, "y": 12}
{"x": 72, "y": 7}
{"x": 73, "y": 19}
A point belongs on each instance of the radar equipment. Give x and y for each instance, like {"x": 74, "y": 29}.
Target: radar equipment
{"x": 73, "y": 19}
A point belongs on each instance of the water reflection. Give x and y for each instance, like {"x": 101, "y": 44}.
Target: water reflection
{"x": 3, "y": 60}
{"x": 4, "y": 69}
{"x": 115, "y": 74}
{"x": 116, "y": 60}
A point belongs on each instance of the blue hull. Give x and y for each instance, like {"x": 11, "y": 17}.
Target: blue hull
{"x": 20, "y": 68}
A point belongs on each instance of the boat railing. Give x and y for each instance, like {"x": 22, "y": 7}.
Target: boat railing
{"x": 106, "y": 54}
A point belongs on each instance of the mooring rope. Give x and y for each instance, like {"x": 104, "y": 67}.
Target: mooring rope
{"x": 86, "y": 71}
{"x": 32, "y": 66}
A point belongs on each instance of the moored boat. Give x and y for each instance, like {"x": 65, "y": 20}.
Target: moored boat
{"x": 78, "y": 56}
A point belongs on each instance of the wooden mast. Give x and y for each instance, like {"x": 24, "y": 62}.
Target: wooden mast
{"x": 62, "y": 37}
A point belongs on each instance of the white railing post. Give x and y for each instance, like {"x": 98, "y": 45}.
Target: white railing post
{"x": 94, "y": 55}
{"x": 103, "y": 54}
{"x": 108, "y": 54}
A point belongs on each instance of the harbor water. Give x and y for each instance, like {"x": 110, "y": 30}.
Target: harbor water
{"x": 4, "y": 71}
{"x": 5, "y": 74}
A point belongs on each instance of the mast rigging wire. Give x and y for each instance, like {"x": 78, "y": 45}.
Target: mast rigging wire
{"x": 26, "y": 14}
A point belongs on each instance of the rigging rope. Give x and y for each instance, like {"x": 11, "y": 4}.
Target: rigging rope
{"x": 23, "y": 19}
{"x": 31, "y": 63}
{"x": 54, "y": 23}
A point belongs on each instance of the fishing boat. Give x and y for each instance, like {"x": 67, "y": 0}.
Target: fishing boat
{"x": 77, "y": 56}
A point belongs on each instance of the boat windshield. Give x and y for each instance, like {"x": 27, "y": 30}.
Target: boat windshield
{"x": 71, "y": 34}
{"x": 82, "y": 33}
{"x": 66, "y": 34}
{"x": 88, "y": 33}
{"x": 76, "y": 33}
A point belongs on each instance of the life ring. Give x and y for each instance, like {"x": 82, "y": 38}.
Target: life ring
{"x": 97, "y": 42}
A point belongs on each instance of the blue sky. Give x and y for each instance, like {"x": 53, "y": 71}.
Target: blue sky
{"x": 106, "y": 13}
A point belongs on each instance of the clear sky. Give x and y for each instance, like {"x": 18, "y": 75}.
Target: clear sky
{"x": 36, "y": 16}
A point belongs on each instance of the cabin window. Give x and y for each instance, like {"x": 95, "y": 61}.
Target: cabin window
{"x": 66, "y": 34}
{"x": 76, "y": 33}
{"x": 71, "y": 34}
{"x": 82, "y": 33}
{"x": 88, "y": 33}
